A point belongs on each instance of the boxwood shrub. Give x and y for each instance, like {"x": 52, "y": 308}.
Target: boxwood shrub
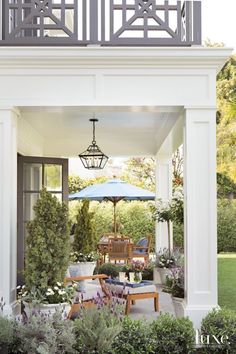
{"x": 220, "y": 323}
{"x": 172, "y": 335}
{"x": 135, "y": 338}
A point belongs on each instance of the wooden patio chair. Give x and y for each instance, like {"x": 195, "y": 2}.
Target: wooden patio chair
{"x": 142, "y": 249}
{"x": 84, "y": 301}
{"x": 119, "y": 249}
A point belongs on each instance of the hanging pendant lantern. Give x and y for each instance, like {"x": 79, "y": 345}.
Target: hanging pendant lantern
{"x": 93, "y": 158}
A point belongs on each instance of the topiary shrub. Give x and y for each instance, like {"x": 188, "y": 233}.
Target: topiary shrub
{"x": 135, "y": 338}
{"x": 84, "y": 234}
{"x": 172, "y": 335}
{"x": 219, "y": 323}
{"x": 48, "y": 244}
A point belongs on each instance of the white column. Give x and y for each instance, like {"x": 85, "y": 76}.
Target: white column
{"x": 200, "y": 213}
{"x": 164, "y": 192}
{"x": 8, "y": 206}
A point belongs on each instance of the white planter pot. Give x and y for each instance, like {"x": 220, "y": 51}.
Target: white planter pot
{"x": 156, "y": 276}
{"x": 82, "y": 269}
{"x": 178, "y": 306}
{"x": 47, "y": 309}
{"x": 164, "y": 272}
{"x": 122, "y": 276}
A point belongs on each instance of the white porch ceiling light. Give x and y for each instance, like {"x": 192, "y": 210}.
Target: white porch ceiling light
{"x": 93, "y": 158}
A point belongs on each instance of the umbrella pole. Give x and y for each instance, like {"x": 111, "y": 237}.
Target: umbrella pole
{"x": 114, "y": 204}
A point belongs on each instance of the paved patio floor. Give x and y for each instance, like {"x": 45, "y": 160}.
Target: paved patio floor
{"x": 142, "y": 308}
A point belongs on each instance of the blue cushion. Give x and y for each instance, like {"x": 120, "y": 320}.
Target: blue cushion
{"x": 143, "y": 242}
{"x": 140, "y": 252}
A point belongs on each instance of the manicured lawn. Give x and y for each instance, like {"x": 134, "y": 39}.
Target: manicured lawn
{"x": 227, "y": 280}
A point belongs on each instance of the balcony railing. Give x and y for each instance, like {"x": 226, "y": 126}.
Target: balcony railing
{"x": 101, "y": 22}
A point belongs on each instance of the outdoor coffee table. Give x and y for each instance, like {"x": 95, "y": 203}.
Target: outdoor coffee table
{"x": 134, "y": 291}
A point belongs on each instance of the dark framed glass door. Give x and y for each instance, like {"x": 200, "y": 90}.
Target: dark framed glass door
{"x": 33, "y": 174}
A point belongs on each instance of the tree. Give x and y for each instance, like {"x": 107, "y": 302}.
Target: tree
{"x": 84, "y": 236}
{"x": 226, "y": 119}
{"x": 226, "y": 188}
{"x": 48, "y": 244}
{"x": 77, "y": 183}
{"x": 177, "y": 163}
{"x": 141, "y": 172}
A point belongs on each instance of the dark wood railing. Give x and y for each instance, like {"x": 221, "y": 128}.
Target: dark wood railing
{"x": 101, "y": 22}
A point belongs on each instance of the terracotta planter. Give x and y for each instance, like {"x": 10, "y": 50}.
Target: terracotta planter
{"x": 47, "y": 309}
{"x": 178, "y": 306}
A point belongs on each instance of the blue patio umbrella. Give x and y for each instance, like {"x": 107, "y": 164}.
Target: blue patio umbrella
{"x": 114, "y": 191}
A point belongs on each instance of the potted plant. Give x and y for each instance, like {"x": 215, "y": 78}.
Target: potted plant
{"x": 167, "y": 260}
{"x": 83, "y": 258}
{"x": 47, "y": 256}
{"x": 175, "y": 287}
{"x": 134, "y": 271}
{"x": 171, "y": 211}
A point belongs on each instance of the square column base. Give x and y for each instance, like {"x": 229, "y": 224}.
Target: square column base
{"x": 197, "y": 313}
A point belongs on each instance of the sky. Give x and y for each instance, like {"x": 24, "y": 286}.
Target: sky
{"x": 218, "y": 24}
{"x": 219, "y": 21}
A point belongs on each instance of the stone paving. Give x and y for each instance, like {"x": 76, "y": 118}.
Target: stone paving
{"x": 142, "y": 308}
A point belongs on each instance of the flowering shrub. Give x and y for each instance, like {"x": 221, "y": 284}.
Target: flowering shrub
{"x": 175, "y": 283}
{"x": 97, "y": 327}
{"x": 134, "y": 266}
{"x": 77, "y": 257}
{"x": 51, "y": 295}
{"x": 168, "y": 259}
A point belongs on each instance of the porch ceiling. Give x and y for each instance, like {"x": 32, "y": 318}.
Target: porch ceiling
{"x": 121, "y": 131}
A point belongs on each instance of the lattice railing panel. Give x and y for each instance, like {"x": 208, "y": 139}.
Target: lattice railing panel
{"x": 102, "y": 22}
{"x": 40, "y": 21}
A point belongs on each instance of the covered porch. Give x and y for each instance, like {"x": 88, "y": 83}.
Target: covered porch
{"x": 148, "y": 102}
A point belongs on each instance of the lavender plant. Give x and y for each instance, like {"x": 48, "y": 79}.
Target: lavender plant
{"x": 41, "y": 334}
{"x": 97, "y": 327}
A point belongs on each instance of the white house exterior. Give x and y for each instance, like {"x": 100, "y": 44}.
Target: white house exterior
{"x": 149, "y": 100}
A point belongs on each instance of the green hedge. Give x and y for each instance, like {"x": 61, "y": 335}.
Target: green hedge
{"x": 137, "y": 221}
{"x": 226, "y": 225}
{"x": 135, "y": 218}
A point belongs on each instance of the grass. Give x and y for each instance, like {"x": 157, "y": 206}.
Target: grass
{"x": 227, "y": 280}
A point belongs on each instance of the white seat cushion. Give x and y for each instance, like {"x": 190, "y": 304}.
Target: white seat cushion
{"x": 120, "y": 289}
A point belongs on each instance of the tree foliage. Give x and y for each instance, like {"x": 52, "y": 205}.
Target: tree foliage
{"x": 226, "y": 119}
{"x": 84, "y": 235}
{"x": 76, "y": 183}
{"x": 47, "y": 253}
{"x": 141, "y": 172}
{"x": 226, "y": 188}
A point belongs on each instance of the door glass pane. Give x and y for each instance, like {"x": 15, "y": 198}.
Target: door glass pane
{"x": 29, "y": 201}
{"x": 53, "y": 177}
{"x": 32, "y": 176}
